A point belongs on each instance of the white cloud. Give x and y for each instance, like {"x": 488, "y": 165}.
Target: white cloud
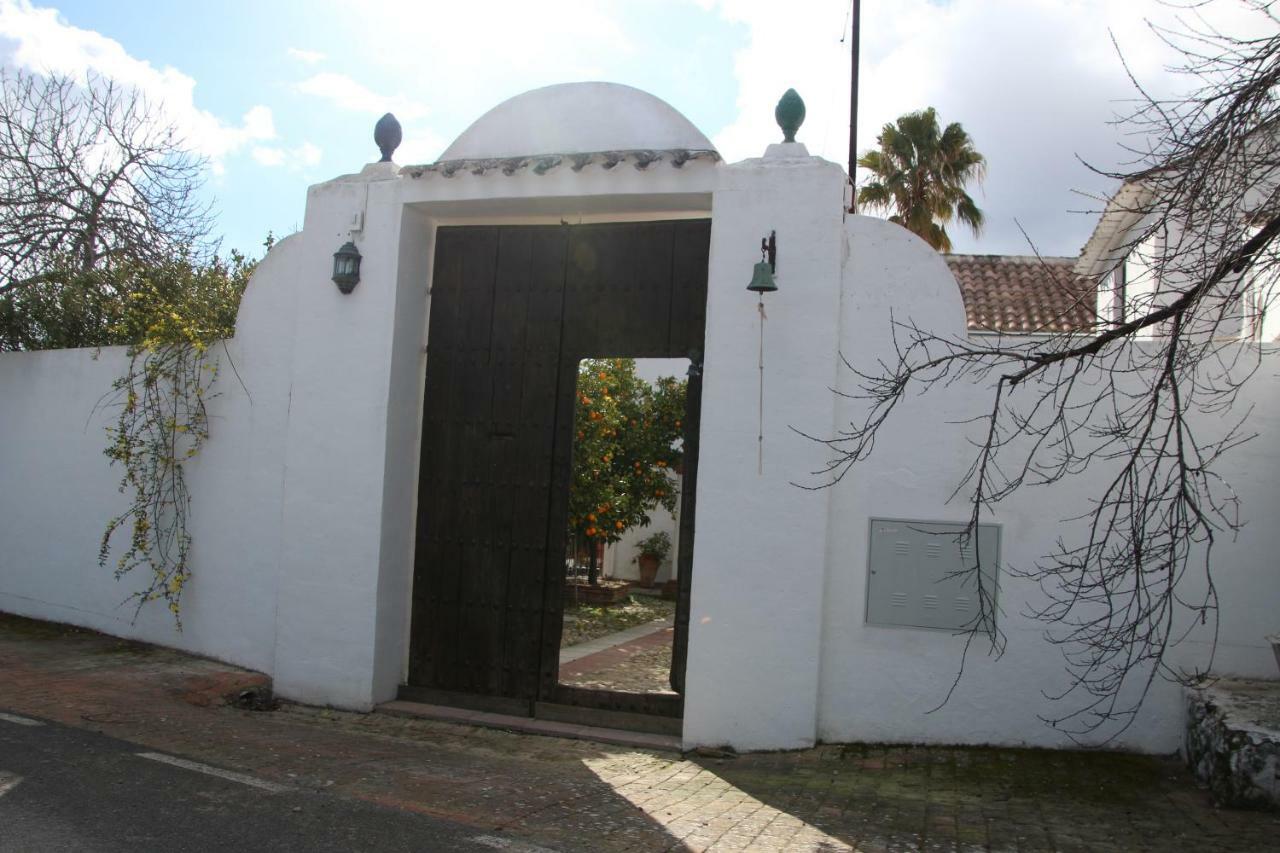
{"x": 421, "y": 145}
{"x": 308, "y": 154}
{"x": 516, "y": 37}
{"x": 39, "y": 40}
{"x": 1035, "y": 82}
{"x": 348, "y": 94}
{"x": 463, "y": 59}
{"x": 258, "y": 123}
{"x": 469, "y": 56}
{"x": 265, "y": 156}
{"x": 303, "y": 156}
{"x": 310, "y": 57}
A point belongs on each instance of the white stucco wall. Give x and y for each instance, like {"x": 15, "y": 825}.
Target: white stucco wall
{"x": 60, "y": 490}
{"x": 620, "y": 557}
{"x": 59, "y": 494}
{"x": 878, "y": 682}
{"x": 304, "y": 498}
{"x": 759, "y": 559}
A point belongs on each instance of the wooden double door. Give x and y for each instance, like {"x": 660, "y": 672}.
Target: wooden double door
{"x": 513, "y": 311}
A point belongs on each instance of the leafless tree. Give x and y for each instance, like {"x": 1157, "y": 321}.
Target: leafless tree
{"x": 90, "y": 171}
{"x": 1143, "y": 401}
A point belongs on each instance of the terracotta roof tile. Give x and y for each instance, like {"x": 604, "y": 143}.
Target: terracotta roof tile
{"x": 1019, "y": 293}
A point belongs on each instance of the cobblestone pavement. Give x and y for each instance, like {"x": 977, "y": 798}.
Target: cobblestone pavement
{"x": 573, "y": 795}
{"x": 640, "y": 666}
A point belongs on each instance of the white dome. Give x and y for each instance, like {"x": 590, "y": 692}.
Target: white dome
{"x": 576, "y": 118}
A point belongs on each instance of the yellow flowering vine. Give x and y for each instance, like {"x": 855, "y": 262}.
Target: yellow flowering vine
{"x": 175, "y": 313}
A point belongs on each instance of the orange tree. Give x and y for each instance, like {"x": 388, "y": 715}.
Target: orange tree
{"x": 626, "y": 453}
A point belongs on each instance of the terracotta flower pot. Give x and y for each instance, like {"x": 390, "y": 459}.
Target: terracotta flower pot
{"x": 648, "y": 569}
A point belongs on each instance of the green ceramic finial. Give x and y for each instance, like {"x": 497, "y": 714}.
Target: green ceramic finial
{"x": 789, "y": 114}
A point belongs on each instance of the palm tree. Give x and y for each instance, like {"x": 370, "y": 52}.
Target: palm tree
{"x": 920, "y": 175}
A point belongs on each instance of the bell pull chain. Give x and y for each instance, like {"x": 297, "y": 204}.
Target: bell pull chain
{"x": 760, "y": 431}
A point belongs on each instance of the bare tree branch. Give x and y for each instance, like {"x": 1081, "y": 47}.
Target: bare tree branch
{"x": 1143, "y": 402}
{"x": 90, "y": 174}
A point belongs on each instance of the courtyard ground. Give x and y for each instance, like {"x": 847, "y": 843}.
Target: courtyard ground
{"x": 530, "y": 793}
{"x": 634, "y": 661}
{"x": 583, "y": 623}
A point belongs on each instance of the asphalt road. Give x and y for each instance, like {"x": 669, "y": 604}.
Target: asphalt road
{"x": 64, "y": 789}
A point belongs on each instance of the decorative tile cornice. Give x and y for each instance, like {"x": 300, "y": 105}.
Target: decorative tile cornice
{"x": 540, "y": 164}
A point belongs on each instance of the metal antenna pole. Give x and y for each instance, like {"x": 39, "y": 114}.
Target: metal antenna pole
{"x": 853, "y": 105}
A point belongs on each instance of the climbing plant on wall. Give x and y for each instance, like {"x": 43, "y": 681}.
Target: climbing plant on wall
{"x": 626, "y": 451}
{"x": 107, "y": 241}
{"x": 174, "y": 314}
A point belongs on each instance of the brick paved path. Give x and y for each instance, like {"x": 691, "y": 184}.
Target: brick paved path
{"x": 642, "y": 665}
{"x": 571, "y": 795}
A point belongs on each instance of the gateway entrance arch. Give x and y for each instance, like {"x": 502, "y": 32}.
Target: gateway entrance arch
{"x": 410, "y": 430}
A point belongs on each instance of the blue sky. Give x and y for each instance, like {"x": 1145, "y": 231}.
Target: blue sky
{"x": 283, "y": 94}
{"x": 244, "y": 54}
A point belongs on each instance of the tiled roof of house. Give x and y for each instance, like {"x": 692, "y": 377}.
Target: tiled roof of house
{"x": 1020, "y": 294}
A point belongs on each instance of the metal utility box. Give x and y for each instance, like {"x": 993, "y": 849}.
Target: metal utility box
{"x": 916, "y": 577}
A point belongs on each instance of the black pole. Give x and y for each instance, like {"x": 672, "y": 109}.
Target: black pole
{"x": 853, "y": 107}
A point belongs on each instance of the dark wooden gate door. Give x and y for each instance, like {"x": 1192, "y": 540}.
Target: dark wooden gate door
{"x": 513, "y": 310}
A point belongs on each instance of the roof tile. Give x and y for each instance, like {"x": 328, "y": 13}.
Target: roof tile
{"x": 1023, "y": 294}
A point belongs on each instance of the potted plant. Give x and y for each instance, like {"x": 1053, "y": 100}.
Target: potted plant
{"x": 653, "y": 550}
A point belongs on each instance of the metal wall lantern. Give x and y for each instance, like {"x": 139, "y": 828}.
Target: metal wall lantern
{"x": 346, "y": 267}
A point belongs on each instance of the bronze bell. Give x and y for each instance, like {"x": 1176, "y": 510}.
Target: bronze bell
{"x": 762, "y": 279}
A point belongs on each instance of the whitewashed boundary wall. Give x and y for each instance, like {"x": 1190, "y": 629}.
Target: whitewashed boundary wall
{"x": 781, "y": 654}
{"x": 879, "y": 682}
{"x": 304, "y": 499}
{"x": 59, "y": 489}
